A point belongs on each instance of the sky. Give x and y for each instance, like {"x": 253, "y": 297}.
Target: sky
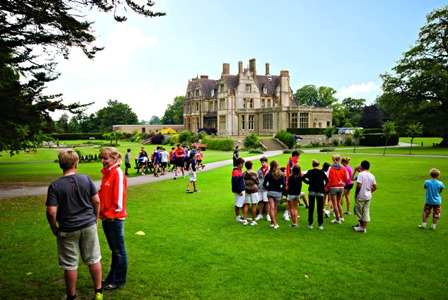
{"x": 147, "y": 62}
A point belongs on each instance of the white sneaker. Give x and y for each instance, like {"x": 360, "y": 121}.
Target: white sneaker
{"x": 320, "y": 227}
{"x": 238, "y": 219}
{"x": 268, "y": 217}
{"x": 327, "y": 213}
{"x": 245, "y": 223}
{"x": 259, "y": 217}
{"x": 335, "y": 221}
{"x": 276, "y": 226}
{"x": 359, "y": 229}
{"x": 342, "y": 219}
{"x": 286, "y": 217}
{"x": 271, "y": 225}
{"x": 253, "y": 223}
{"x": 310, "y": 226}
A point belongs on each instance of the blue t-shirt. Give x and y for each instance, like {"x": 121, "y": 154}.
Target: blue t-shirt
{"x": 433, "y": 188}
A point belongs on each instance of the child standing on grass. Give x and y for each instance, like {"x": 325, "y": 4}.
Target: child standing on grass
{"x": 251, "y": 183}
{"x": 275, "y": 183}
{"x": 365, "y": 186}
{"x": 294, "y": 189}
{"x": 317, "y": 180}
{"x": 433, "y": 200}
{"x": 191, "y": 167}
{"x": 238, "y": 187}
{"x": 262, "y": 192}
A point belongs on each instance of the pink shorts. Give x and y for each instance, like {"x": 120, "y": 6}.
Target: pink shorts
{"x": 435, "y": 208}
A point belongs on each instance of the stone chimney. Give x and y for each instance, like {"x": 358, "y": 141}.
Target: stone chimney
{"x": 267, "y": 69}
{"x": 225, "y": 69}
{"x": 253, "y": 67}
{"x": 240, "y": 67}
{"x": 204, "y": 76}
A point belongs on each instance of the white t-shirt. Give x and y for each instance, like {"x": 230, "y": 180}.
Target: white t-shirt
{"x": 366, "y": 179}
{"x": 164, "y": 156}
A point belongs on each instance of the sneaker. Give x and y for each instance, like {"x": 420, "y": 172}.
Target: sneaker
{"x": 276, "y": 226}
{"x": 238, "y": 219}
{"x": 359, "y": 229}
{"x": 327, "y": 214}
{"x": 421, "y": 227}
{"x": 197, "y": 191}
{"x": 357, "y": 225}
{"x": 245, "y": 223}
{"x": 253, "y": 223}
{"x": 293, "y": 225}
{"x": 98, "y": 296}
{"x": 335, "y": 221}
{"x": 259, "y": 217}
{"x": 432, "y": 228}
{"x": 175, "y": 178}
{"x": 286, "y": 217}
{"x": 183, "y": 176}
{"x": 189, "y": 192}
{"x": 268, "y": 217}
{"x": 310, "y": 226}
{"x": 203, "y": 166}
{"x": 271, "y": 225}
{"x": 320, "y": 227}
{"x": 347, "y": 212}
{"x": 342, "y": 219}
{"x": 355, "y": 228}
{"x": 143, "y": 173}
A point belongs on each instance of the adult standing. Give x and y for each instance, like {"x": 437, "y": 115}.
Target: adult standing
{"x": 73, "y": 204}
{"x": 112, "y": 195}
{"x": 127, "y": 161}
{"x": 180, "y": 154}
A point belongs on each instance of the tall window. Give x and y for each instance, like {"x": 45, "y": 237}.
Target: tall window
{"x": 196, "y": 93}
{"x": 222, "y": 104}
{"x": 267, "y": 121}
{"x": 221, "y": 88}
{"x": 243, "y": 125}
{"x": 197, "y": 106}
{"x": 304, "y": 120}
{"x": 265, "y": 90}
{"x": 293, "y": 123}
{"x": 188, "y": 124}
{"x": 251, "y": 103}
{"x": 262, "y": 103}
{"x": 197, "y": 124}
{"x": 251, "y": 122}
{"x": 269, "y": 102}
{"x": 244, "y": 102}
{"x": 188, "y": 108}
{"x": 248, "y": 88}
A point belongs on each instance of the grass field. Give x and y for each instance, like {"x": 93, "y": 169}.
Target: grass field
{"x": 194, "y": 249}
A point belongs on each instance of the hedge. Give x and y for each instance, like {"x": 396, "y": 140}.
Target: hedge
{"x": 377, "y": 139}
{"x": 219, "y": 144}
{"x": 76, "y": 136}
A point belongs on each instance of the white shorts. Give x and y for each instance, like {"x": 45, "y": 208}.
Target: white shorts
{"x": 192, "y": 175}
{"x": 263, "y": 196}
{"x": 239, "y": 200}
{"x": 251, "y": 198}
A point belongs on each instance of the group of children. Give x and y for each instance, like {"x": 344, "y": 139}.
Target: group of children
{"x": 269, "y": 184}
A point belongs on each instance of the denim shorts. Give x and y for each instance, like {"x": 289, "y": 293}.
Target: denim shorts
{"x": 275, "y": 195}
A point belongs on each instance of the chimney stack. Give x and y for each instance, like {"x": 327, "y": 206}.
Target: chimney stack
{"x": 267, "y": 69}
{"x": 253, "y": 67}
{"x": 240, "y": 67}
{"x": 225, "y": 69}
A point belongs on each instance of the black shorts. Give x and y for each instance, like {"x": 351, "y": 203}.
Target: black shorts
{"x": 180, "y": 162}
{"x": 163, "y": 164}
{"x": 128, "y": 165}
{"x": 348, "y": 186}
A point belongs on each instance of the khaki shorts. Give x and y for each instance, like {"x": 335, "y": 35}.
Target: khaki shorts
{"x": 86, "y": 240}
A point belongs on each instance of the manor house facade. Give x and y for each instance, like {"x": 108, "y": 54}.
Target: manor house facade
{"x": 236, "y": 105}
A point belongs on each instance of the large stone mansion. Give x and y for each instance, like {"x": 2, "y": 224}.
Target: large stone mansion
{"x": 236, "y": 105}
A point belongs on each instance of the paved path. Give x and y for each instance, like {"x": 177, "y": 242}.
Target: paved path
{"x": 42, "y": 190}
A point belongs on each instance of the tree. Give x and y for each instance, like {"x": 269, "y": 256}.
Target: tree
{"x": 416, "y": 90}
{"x": 329, "y": 132}
{"x": 318, "y": 97}
{"x": 32, "y": 34}
{"x": 115, "y": 113}
{"x": 371, "y": 117}
{"x": 174, "y": 114}
{"x": 155, "y": 120}
{"x": 413, "y": 130}
{"x": 62, "y": 123}
{"x": 388, "y": 132}
{"x": 353, "y": 109}
{"x": 358, "y": 135}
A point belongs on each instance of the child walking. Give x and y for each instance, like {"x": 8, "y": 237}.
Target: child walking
{"x": 433, "y": 200}
{"x": 251, "y": 183}
{"x": 192, "y": 173}
{"x": 238, "y": 187}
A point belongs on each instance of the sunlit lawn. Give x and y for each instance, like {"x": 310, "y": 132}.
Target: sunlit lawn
{"x": 194, "y": 249}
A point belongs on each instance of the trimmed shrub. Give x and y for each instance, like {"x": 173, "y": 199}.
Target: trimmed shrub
{"x": 377, "y": 139}
{"x": 157, "y": 139}
{"x": 251, "y": 141}
{"x": 286, "y": 138}
{"x": 223, "y": 144}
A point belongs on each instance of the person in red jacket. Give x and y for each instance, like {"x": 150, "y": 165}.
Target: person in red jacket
{"x": 337, "y": 177}
{"x": 112, "y": 195}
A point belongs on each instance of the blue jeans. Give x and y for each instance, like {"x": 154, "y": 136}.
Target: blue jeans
{"x": 114, "y": 231}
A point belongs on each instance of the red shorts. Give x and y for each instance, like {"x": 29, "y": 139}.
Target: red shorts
{"x": 435, "y": 209}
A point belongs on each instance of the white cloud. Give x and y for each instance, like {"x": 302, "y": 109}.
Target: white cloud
{"x": 367, "y": 90}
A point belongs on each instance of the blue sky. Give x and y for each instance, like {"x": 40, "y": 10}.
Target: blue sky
{"x": 343, "y": 44}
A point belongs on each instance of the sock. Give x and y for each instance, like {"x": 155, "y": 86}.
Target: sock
{"x": 423, "y": 224}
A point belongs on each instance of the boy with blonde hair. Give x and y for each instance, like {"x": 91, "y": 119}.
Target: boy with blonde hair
{"x": 433, "y": 199}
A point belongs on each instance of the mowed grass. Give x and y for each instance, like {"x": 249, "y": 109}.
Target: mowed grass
{"x": 194, "y": 249}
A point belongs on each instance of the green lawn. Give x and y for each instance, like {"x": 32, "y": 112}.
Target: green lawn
{"x": 194, "y": 249}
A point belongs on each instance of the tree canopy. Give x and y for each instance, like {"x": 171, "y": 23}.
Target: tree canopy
{"x": 310, "y": 95}
{"x": 32, "y": 34}
{"x": 115, "y": 113}
{"x": 174, "y": 112}
{"x": 416, "y": 90}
